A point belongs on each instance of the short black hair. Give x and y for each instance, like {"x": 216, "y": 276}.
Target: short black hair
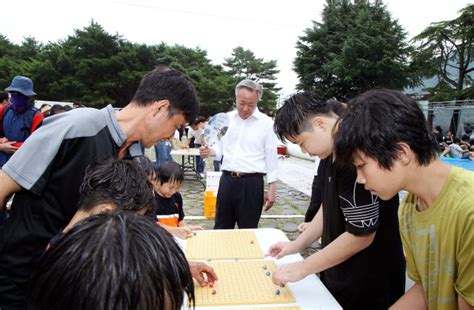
{"x": 198, "y": 120}
{"x": 146, "y": 164}
{"x": 170, "y": 171}
{"x": 377, "y": 122}
{"x": 164, "y": 83}
{"x": 3, "y": 96}
{"x": 293, "y": 117}
{"x": 56, "y": 109}
{"x": 465, "y": 138}
{"x": 122, "y": 183}
{"x": 113, "y": 261}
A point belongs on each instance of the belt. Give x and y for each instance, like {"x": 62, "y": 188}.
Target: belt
{"x": 236, "y": 174}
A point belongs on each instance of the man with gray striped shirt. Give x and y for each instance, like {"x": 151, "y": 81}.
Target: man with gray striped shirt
{"x": 47, "y": 171}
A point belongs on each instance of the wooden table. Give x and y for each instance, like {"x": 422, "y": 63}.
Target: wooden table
{"x": 310, "y": 293}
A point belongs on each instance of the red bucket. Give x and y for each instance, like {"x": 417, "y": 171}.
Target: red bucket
{"x": 281, "y": 150}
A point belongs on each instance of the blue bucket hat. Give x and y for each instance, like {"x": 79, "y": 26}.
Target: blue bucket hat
{"x": 22, "y": 85}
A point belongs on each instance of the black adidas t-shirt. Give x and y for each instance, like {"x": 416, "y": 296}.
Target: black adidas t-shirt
{"x": 50, "y": 167}
{"x": 373, "y": 278}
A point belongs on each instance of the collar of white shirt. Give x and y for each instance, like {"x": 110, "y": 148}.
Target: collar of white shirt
{"x": 256, "y": 114}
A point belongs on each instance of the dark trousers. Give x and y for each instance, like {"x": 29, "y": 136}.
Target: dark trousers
{"x": 239, "y": 200}
{"x": 162, "y": 151}
{"x": 200, "y": 163}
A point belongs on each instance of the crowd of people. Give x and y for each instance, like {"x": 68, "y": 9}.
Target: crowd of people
{"x": 92, "y": 219}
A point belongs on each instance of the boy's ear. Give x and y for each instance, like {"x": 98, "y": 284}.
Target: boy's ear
{"x": 160, "y": 105}
{"x": 405, "y": 154}
{"x": 318, "y": 121}
{"x": 107, "y": 208}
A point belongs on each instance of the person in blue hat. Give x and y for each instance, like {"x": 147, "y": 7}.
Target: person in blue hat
{"x": 19, "y": 118}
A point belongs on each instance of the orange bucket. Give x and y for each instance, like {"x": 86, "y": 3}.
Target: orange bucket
{"x": 210, "y": 199}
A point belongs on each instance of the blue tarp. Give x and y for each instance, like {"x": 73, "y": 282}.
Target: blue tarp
{"x": 463, "y": 163}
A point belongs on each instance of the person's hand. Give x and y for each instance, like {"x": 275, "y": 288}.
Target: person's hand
{"x": 289, "y": 273}
{"x": 205, "y": 151}
{"x": 302, "y": 227}
{"x": 7, "y": 147}
{"x": 193, "y": 228}
{"x": 269, "y": 197}
{"x": 281, "y": 249}
{"x": 184, "y": 232}
{"x": 3, "y": 140}
{"x": 202, "y": 273}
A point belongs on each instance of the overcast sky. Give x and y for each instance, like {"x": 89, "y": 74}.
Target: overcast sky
{"x": 268, "y": 28}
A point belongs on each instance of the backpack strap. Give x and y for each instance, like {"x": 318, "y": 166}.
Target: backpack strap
{"x": 2, "y": 110}
{"x": 36, "y": 122}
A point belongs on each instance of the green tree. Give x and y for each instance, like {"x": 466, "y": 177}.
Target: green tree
{"x": 213, "y": 85}
{"x": 97, "y": 68}
{"x": 244, "y": 65}
{"x": 357, "y": 46}
{"x": 446, "y": 51}
{"x": 17, "y": 59}
{"x": 90, "y": 66}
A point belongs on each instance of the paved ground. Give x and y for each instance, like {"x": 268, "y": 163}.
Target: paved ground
{"x": 293, "y": 190}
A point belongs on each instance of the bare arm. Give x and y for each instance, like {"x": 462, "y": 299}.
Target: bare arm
{"x": 313, "y": 231}
{"x": 182, "y": 223}
{"x": 338, "y": 251}
{"x": 413, "y": 299}
{"x": 180, "y": 232}
{"x": 269, "y": 197}
{"x": 7, "y": 188}
{"x": 463, "y": 304}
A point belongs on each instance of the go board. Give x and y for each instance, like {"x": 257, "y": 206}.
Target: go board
{"x": 223, "y": 244}
{"x": 243, "y": 282}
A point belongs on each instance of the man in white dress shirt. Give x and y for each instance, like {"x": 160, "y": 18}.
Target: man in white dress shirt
{"x": 248, "y": 150}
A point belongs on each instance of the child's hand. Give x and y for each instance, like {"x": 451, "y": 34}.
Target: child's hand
{"x": 281, "y": 249}
{"x": 193, "y": 228}
{"x": 289, "y": 273}
{"x": 184, "y": 232}
{"x": 202, "y": 273}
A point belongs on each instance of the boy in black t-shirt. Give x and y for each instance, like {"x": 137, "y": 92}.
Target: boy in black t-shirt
{"x": 109, "y": 186}
{"x": 169, "y": 203}
{"x": 361, "y": 261}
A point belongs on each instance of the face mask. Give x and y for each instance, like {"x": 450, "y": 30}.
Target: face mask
{"x": 19, "y": 102}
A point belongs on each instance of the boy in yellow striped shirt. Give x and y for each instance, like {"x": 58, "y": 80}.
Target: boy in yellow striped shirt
{"x": 387, "y": 138}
